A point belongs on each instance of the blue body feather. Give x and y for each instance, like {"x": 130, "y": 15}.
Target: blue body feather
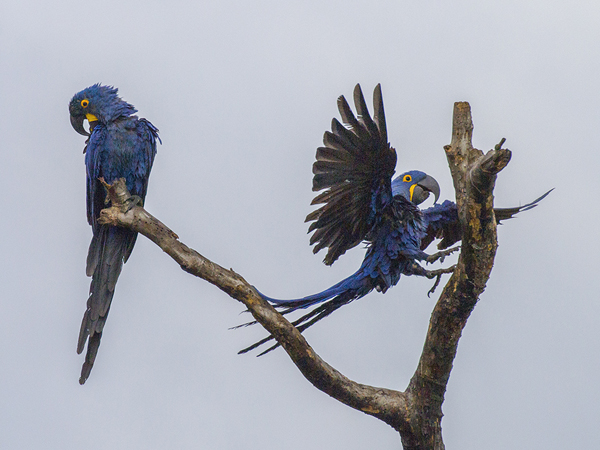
{"x": 120, "y": 146}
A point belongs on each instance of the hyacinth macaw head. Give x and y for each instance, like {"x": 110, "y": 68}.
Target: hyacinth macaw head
{"x": 97, "y": 104}
{"x": 415, "y": 186}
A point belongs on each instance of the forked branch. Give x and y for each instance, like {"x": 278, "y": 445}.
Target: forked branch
{"x": 416, "y": 413}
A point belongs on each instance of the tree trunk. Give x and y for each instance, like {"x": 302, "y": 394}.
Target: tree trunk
{"x": 417, "y": 412}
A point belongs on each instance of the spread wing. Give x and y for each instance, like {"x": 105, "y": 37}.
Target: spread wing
{"x": 355, "y": 168}
{"x": 509, "y": 213}
{"x": 442, "y": 221}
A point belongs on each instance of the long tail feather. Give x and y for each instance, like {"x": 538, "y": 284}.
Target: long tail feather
{"x": 109, "y": 248}
{"x": 354, "y": 287}
{"x": 354, "y": 283}
{"x": 303, "y": 322}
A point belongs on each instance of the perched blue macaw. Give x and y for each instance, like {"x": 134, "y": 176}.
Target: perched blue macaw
{"x": 363, "y": 203}
{"x": 120, "y": 145}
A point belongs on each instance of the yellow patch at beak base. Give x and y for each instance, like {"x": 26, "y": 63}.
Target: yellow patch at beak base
{"x": 91, "y": 117}
{"x": 411, "y": 190}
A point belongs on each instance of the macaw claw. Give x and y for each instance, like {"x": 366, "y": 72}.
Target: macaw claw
{"x": 437, "y": 274}
{"x": 441, "y": 255}
{"x": 133, "y": 201}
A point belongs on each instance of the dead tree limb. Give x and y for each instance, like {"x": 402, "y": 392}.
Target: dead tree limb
{"x": 474, "y": 176}
{"x": 416, "y": 413}
{"x": 384, "y": 404}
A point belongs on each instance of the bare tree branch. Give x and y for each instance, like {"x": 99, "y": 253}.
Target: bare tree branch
{"x": 474, "y": 175}
{"x": 416, "y": 413}
{"x": 379, "y": 402}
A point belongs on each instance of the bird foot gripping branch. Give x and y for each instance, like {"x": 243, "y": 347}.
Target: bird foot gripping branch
{"x": 441, "y": 255}
{"x": 119, "y": 196}
{"x": 120, "y": 199}
{"x": 437, "y": 274}
{"x": 121, "y": 212}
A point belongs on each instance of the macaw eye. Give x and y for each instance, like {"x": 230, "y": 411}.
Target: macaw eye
{"x": 84, "y": 103}
{"x": 407, "y": 178}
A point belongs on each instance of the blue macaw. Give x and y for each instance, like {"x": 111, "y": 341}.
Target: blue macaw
{"x": 120, "y": 145}
{"x": 363, "y": 203}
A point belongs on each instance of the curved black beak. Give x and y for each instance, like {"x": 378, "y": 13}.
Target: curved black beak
{"x": 77, "y": 123}
{"x": 423, "y": 188}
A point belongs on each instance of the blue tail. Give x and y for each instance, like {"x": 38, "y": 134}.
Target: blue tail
{"x": 109, "y": 249}
{"x": 355, "y": 286}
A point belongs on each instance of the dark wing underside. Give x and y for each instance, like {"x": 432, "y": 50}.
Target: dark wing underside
{"x": 355, "y": 167}
{"x": 442, "y": 221}
{"x": 509, "y": 213}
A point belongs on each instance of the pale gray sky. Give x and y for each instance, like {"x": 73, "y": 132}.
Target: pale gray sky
{"x": 242, "y": 92}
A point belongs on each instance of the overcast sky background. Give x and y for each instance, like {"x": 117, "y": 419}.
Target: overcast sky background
{"x": 242, "y": 92}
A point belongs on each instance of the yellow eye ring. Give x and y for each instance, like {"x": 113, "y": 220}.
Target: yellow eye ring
{"x": 84, "y": 103}
{"x": 407, "y": 178}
